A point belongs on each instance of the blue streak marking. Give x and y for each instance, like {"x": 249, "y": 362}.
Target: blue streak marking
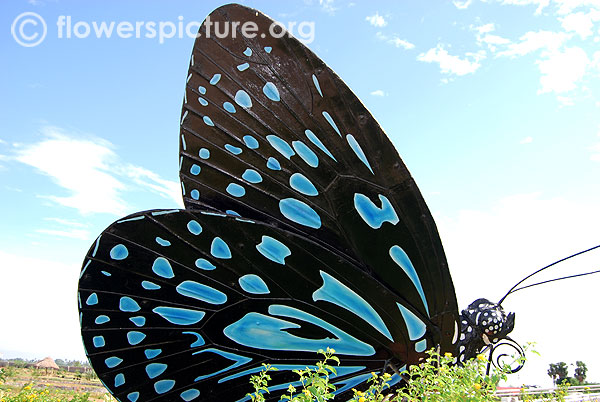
{"x": 340, "y": 370}
{"x": 281, "y": 146}
{"x": 169, "y": 211}
{"x": 179, "y": 316}
{"x": 252, "y": 176}
{"x": 421, "y": 345}
{"x": 135, "y": 218}
{"x": 243, "y": 66}
{"x": 300, "y": 183}
{"x": 331, "y": 122}
{"x": 199, "y": 339}
{"x": 316, "y": 82}
{"x": 220, "y": 249}
{"x": 201, "y": 292}
{"x": 239, "y": 361}
{"x": 248, "y": 52}
{"x": 208, "y": 121}
{"x": 162, "y": 267}
{"x": 416, "y": 327}
{"x": 264, "y": 332}
{"x": 202, "y": 101}
{"x": 273, "y": 249}
{"x": 128, "y": 304}
{"x": 334, "y": 291}
{"x": 229, "y": 107}
{"x": 299, "y": 212}
{"x": 358, "y": 151}
{"x": 352, "y": 382}
{"x": 201, "y": 89}
{"x": 96, "y": 246}
{"x": 372, "y": 214}
{"x": 270, "y": 90}
{"x": 254, "y": 284}
{"x": 306, "y": 153}
{"x": 315, "y": 140}
{"x": 401, "y": 258}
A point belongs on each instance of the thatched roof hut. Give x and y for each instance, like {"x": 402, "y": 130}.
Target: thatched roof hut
{"x": 46, "y": 363}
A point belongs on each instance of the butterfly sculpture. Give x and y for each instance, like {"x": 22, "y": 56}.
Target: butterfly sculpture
{"x": 302, "y": 230}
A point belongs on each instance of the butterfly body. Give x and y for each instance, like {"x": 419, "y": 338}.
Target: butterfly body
{"x": 302, "y": 230}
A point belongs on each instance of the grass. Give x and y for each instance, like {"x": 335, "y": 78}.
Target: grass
{"x": 35, "y": 385}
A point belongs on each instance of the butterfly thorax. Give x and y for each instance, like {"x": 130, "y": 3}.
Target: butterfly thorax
{"x": 482, "y": 323}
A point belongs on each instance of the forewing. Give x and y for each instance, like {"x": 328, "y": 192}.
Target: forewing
{"x": 269, "y": 132}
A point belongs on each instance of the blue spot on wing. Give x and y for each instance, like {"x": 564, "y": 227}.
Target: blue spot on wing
{"x": 316, "y": 82}
{"x": 204, "y": 264}
{"x": 306, "y": 153}
{"x": 208, "y": 121}
{"x": 133, "y": 396}
{"x": 243, "y": 99}
{"x": 102, "y": 319}
{"x": 201, "y": 292}
{"x": 119, "y": 379}
{"x": 135, "y": 337}
{"x": 153, "y": 370}
{"x": 152, "y": 353}
{"x": 270, "y": 90}
{"x": 162, "y": 267}
{"x": 163, "y": 242}
{"x": 163, "y": 386}
{"x": 139, "y": 320}
{"x": 190, "y": 394}
{"x": 194, "y": 227}
{"x": 273, "y": 249}
{"x": 204, "y": 153}
{"x": 195, "y": 194}
{"x": 253, "y": 284}
{"x": 128, "y": 304}
{"x": 243, "y": 66}
{"x": 215, "y": 79}
{"x": 220, "y": 249}
{"x": 195, "y": 169}
{"x": 273, "y": 164}
{"x": 199, "y": 340}
{"x": 179, "y": 316}
{"x": 401, "y": 258}
{"x": 299, "y": 212}
{"x": 229, "y": 107}
{"x": 252, "y": 176}
{"x": 248, "y": 52}
{"x": 373, "y": 215}
{"x": 233, "y": 149}
{"x": 300, "y": 183}
{"x": 113, "y": 361}
{"x": 334, "y": 291}
{"x": 421, "y": 345}
{"x": 92, "y": 299}
{"x": 99, "y": 341}
{"x": 150, "y": 285}
{"x": 236, "y": 190}
{"x": 119, "y": 252}
{"x": 250, "y": 142}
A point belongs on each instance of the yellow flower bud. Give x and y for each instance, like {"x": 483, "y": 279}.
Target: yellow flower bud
{"x": 361, "y": 399}
{"x": 477, "y": 386}
{"x": 448, "y": 354}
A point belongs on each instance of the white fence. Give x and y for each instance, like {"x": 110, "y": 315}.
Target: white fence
{"x": 574, "y": 394}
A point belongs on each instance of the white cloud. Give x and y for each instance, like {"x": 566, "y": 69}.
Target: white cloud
{"x": 328, "y": 6}
{"x": 395, "y": 40}
{"x": 526, "y": 140}
{"x": 485, "y": 28}
{"x": 568, "y": 6}
{"x": 581, "y": 23}
{"x": 595, "y": 152}
{"x": 489, "y": 250}
{"x": 90, "y": 172}
{"x": 561, "y": 71}
{"x": 69, "y": 233}
{"x": 540, "y": 3}
{"x": 376, "y": 20}
{"x": 450, "y": 64}
{"x": 65, "y": 222}
{"x": 533, "y": 41}
{"x": 378, "y": 92}
{"x": 462, "y": 4}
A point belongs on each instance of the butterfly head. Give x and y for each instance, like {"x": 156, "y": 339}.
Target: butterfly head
{"x": 483, "y": 323}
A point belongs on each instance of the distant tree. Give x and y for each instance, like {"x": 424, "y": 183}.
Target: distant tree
{"x": 558, "y": 372}
{"x": 60, "y": 362}
{"x": 580, "y": 371}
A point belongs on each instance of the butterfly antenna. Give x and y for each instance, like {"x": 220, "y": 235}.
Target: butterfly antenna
{"x": 515, "y": 288}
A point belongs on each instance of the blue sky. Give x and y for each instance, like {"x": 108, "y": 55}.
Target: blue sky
{"x": 493, "y": 105}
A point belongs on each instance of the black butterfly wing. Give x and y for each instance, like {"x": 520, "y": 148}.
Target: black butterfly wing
{"x": 180, "y": 304}
{"x": 269, "y": 132}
